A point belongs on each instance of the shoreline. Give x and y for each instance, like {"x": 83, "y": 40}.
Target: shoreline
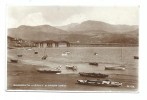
{"x": 27, "y": 74}
{"x": 24, "y": 74}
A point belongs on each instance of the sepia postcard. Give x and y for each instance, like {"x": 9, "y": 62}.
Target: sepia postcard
{"x": 72, "y": 48}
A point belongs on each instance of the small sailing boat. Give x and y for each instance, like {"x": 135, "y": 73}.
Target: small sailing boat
{"x": 45, "y": 55}
{"x": 117, "y": 67}
{"x": 19, "y": 50}
{"x": 15, "y": 59}
{"x": 47, "y": 69}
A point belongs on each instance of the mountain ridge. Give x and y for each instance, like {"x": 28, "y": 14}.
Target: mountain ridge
{"x": 99, "y": 25}
{"x": 85, "y": 32}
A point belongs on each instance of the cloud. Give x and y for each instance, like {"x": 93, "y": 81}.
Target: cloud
{"x": 34, "y": 19}
{"x": 11, "y": 22}
{"x": 112, "y": 15}
{"x": 75, "y": 19}
{"x": 31, "y": 19}
{"x": 116, "y": 15}
{"x": 56, "y": 16}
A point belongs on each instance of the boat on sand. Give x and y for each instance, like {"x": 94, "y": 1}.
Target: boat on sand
{"x": 48, "y": 70}
{"x": 96, "y": 75}
{"x": 121, "y": 67}
{"x": 105, "y": 83}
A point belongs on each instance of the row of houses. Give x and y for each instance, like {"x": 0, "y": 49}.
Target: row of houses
{"x": 39, "y": 44}
{"x": 51, "y": 43}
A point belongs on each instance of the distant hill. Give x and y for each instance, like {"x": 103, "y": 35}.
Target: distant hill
{"x": 103, "y": 38}
{"x": 88, "y": 32}
{"x": 68, "y": 27}
{"x": 42, "y": 32}
{"x": 99, "y": 26}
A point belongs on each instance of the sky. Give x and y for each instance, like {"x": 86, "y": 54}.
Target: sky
{"x": 63, "y": 15}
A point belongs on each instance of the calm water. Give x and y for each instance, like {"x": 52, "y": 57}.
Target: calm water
{"x": 80, "y": 56}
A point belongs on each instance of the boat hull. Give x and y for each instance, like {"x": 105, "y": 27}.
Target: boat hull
{"x": 74, "y": 68}
{"x": 114, "y": 68}
{"x": 48, "y": 71}
{"x": 95, "y": 75}
{"x": 19, "y": 55}
{"x": 14, "y": 61}
{"x": 35, "y": 52}
{"x": 99, "y": 83}
{"x": 136, "y": 57}
{"x": 93, "y": 63}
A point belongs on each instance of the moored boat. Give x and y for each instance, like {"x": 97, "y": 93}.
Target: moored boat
{"x": 35, "y": 52}
{"x": 115, "y": 68}
{"x": 95, "y": 53}
{"x": 44, "y": 57}
{"x": 96, "y": 75}
{"x": 74, "y": 68}
{"x": 14, "y": 61}
{"x": 93, "y": 63}
{"x": 48, "y": 70}
{"x": 136, "y": 57}
{"x": 20, "y": 55}
{"x": 106, "y": 83}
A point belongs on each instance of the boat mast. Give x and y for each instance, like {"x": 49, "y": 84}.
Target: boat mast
{"x": 44, "y": 56}
{"x": 122, "y": 54}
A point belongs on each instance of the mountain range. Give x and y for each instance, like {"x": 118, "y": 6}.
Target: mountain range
{"x": 87, "y": 32}
{"x": 98, "y": 26}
